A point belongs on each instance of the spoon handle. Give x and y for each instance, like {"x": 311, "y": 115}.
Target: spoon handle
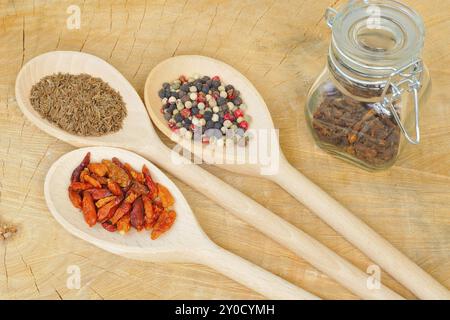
{"x": 250, "y": 275}
{"x": 268, "y": 223}
{"x": 359, "y": 234}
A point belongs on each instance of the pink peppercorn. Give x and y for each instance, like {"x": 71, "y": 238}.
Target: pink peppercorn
{"x": 172, "y": 124}
{"x": 228, "y": 116}
{"x": 238, "y": 113}
{"x": 199, "y": 116}
{"x": 185, "y": 113}
{"x": 201, "y": 98}
{"x": 215, "y": 78}
{"x": 243, "y": 125}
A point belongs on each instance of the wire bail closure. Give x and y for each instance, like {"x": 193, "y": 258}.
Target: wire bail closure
{"x": 330, "y": 16}
{"x": 409, "y": 80}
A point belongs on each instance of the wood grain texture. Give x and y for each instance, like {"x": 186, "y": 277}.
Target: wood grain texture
{"x": 280, "y": 46}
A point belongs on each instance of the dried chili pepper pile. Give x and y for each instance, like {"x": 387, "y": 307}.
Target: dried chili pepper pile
{"x": 117, "y": 196}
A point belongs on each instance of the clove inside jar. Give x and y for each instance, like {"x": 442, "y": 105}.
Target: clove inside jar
{"x": 364, "y": 106}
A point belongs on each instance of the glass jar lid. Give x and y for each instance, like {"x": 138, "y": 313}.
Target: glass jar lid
{"x": 376, "y": 37}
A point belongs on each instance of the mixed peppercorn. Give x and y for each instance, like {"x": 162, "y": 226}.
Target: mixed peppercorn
{"x": 205, "y": 109}
{"x": 115, "y": 195}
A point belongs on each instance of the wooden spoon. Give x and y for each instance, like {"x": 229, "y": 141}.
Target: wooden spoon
{"x": 184, "y": 242}
{"x": 313, "y": 197}
{"x": 138, "y": 135}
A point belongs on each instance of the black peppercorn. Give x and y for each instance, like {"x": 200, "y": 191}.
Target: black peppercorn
{"x": 184, "y": 87}
{"x": 194, "y": 110}
{"x": 215, "y": 84}
{"x": 237, "y": 101}
{"x": 178, "y": 117}
{"x": 221, "y": 101}
{"x": 207, "y": 115}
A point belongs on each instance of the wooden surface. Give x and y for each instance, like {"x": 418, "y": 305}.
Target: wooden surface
{"x": 281, "y": 47}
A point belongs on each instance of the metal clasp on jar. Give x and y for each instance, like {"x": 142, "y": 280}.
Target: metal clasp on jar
{"x": 330, "y": 16}
{"x": 408, "y": 78}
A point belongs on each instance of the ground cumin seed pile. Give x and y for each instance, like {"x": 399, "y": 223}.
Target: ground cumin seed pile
{"x": 79, "y": 104}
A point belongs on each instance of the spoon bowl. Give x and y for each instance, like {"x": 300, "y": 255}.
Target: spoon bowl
{"x": 185, "y": 241}
{"x": 234, "y": 158}
{"x": 185, "y": 232}
{"x": 137, "y": 128}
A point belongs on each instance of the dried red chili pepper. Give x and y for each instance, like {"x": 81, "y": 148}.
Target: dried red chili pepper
{"x": 137, "y": 214}
{"x": 102, "y": 180}
{"x": 98, "y": 168}
{"x": 150, "y": 215}
{"x": 75, "y": 198}
{"x": 80, "y": 186}
{"x": 107, "y": 211}
{"x": 165, "y": 221}
{"x": 109, "y": 227}
{"x": 123, "y": 209}
{"x": 88, "y": 207}
{"x": 138, "y": 188}
{"x": 124, "y": 224}
{"x": 139, "y": 176}
{"x": 165, "y": 196}
{"x": 117, "y": 174}
{"x": 98, "y": 194}
{"x": 100, "y": 203}
{"x": 92, "y": 181}
{"x": 84, "y": 173}
{"x": 114, "y": 188}
{"x": 158, "y": 209}
{"x": 84, "y": 163}
{"x": 149, "y": 182}
{"x": 119, "y": 163}
{"x": 131, "y": 196}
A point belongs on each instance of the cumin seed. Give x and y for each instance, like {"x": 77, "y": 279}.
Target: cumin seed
{"x": 79, "y": 104}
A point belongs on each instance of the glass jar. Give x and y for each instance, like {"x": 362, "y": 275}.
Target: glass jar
{"x": 364, "y": 107}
